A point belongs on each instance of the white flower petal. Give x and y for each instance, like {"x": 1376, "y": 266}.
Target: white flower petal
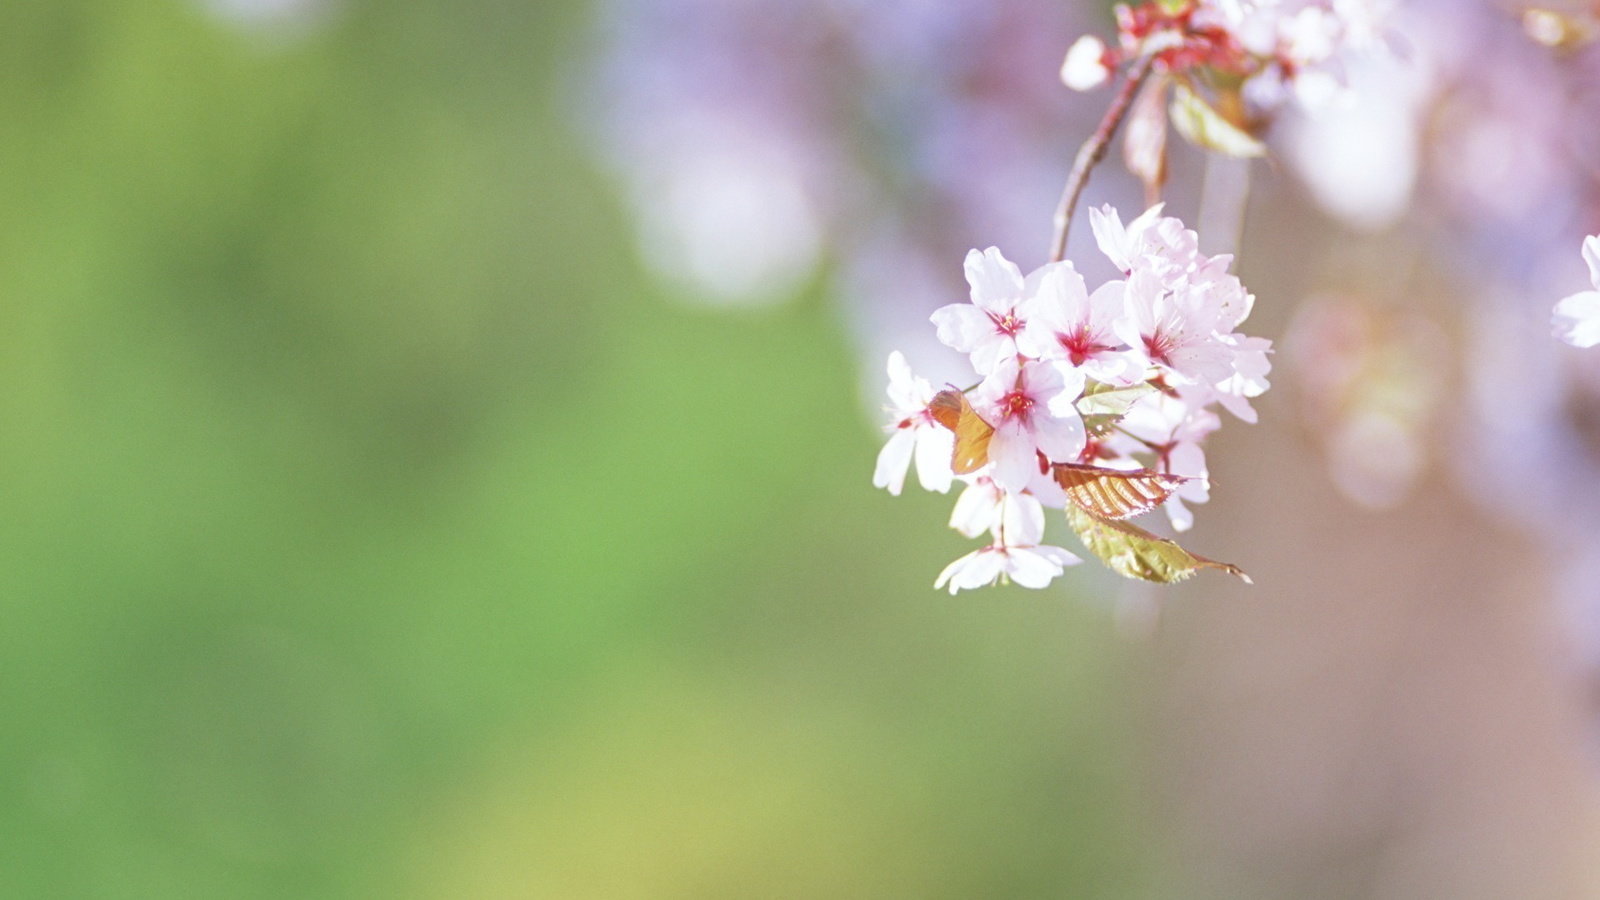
{"x": 977, "y": 509}
{"x": 1178, "y": 514}
{"x": 1060, "y": 438}
{"x": 935, "y": 447}
{"x": 975, "y": 570}
{"x": 1577, "y": 319}
{"x": 1084, "y": 68}
{"x": 1030, "y": 569}
{"x": 961, "y": 326}
{"x": 893, "y": 460}
{"x": 1021, "y": 521}
{"x": 1014, "y": 457}
{"x": 996, "y": 281}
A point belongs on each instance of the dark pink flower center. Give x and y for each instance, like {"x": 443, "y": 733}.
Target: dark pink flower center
{"x": 1080, "y": 345}
{"x": 1157, "y": 346}
{"x": 1016, "y": 405}
{"x": 1007, "y": 324}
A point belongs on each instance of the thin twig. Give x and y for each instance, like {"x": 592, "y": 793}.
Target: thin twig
{"x": 1094, "y": 150}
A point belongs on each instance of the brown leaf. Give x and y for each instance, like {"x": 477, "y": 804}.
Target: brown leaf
{"x": 1115, "y": 493}
{"x": 1144, "y": 142}
{"x": 951, "y": 409}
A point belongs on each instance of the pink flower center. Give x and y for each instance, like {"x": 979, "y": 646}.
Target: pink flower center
{"x": 1157, "y": 346}
{"x": 1007, "y": 324}
{"x": 1016, "y": 405}
{"x": 1080, "y": 344}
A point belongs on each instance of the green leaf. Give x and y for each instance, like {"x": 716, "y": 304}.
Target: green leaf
{"x": 1108, "y": 400}
{"x": 1201, "y": 125}
{"x": 1135, "y": 553}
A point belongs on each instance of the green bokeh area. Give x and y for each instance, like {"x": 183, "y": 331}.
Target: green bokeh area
{"x": 375, "y": 527}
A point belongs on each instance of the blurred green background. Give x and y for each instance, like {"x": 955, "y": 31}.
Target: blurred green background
{"x": 376, "y": 528}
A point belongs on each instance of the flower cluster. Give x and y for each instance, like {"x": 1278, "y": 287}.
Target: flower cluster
{"x": 1096, "y": 402}
{"x": 1577, "y": 318}
{"x": 1274, "y": 45}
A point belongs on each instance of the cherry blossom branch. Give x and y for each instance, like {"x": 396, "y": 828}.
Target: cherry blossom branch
{"x": 1094, "y": 150}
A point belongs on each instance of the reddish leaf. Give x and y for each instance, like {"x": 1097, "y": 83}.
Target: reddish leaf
{"x": 951, "y": 409}
{"x": 1115, "y": 493}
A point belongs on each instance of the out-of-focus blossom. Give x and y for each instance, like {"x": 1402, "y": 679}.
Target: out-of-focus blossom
{"x": 1232, "y": 63}
{"x": 1369, "y": 386}
{"x": 1360, "y": 158}
{"x": 275, "y": 19}
{"x": 1577, "y": 318}
{"x": 1086, "y": 66}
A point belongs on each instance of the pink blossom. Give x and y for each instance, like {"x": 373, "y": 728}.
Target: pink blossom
{"x": 1123, "y": 245}
{"x": 1250, "y": 369}
{"x": 1172, "y": 429}
{"x": 1175, "y": 330}
{"x": 913, "y": 431}
{"x": 986, "y": 328}
{"x": 1030, "y": 406}
{"x": 1070, "y": 324}
{"x": 1030, "y": 566}
{"x": 1016, "y": 518}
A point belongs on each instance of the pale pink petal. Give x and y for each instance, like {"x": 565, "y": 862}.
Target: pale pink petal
{"x": 1111, "y": 237}
{"x": 999, "y": 381}
{"x": 903, "y": 385}
{"x": 962, "y": 326}
{"x": 1021, "y": 521}
{"x": 1180, "y": 516}
{"x": 893, "y": 460}
{"x": 1057, "y": 555}
{"x": 1239, "y": 405}
{"x": 1591, "y": 255}
{"x": 1106, "y": 305}
{"x": 935, "y": 447}
{"x": 976, "y": 569}
{"x": 993, "y": 351}
{"x": 1043, "y": 382}
{"x": 1577, "y": 319}
{"x": 996, "y": 281}
{"x": 1060, "y": 438}
{"x": 1012, "y": 453}
{"x": 1030, "y": 569}
{"x": 1189, "y": 460}
{"x": 1207, "y": 361}
{"x": 977, "y": 509}
{"x": 1085, "y": 69}
{"x": 1068, "y": 387}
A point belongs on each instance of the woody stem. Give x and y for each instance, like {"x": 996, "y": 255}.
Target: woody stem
{"x": 1094, "y": 150}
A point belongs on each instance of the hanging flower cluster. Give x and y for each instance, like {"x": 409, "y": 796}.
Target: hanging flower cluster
{"x": 1291, "y": 43}
{"x": 1228, "y": 66}
{"x": 1095, "y": 402}
{"x": 1577, "y": 318}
